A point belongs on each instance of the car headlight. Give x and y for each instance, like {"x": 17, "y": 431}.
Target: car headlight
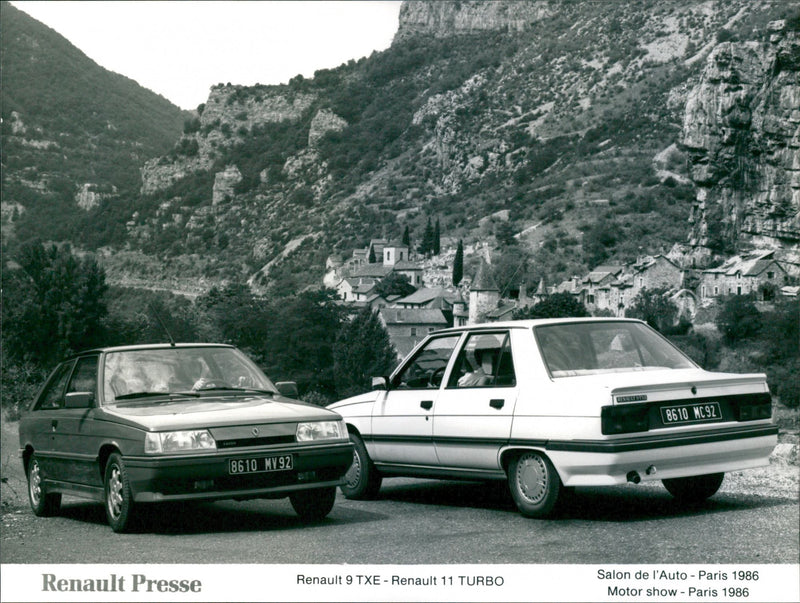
{"x": 321, "y": 430}
{"x": 179, "y": 441}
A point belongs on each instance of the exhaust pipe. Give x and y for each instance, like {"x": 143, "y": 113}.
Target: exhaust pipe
{"x": 633, "y": 477}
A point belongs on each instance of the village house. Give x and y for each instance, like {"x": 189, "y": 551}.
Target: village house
{"x": 407, "y": 327}
{"x": 757, "y": 272}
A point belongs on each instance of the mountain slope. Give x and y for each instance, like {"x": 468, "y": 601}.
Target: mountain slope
{"x": 73, "y": 132}
{"x": 550, "y": 130}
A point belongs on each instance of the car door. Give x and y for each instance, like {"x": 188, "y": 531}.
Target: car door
{"x": 39, "y": 426}
{"x": 473, "y": 413}
{"x": 73, "y": 447}
{"x": 402, "y": 430}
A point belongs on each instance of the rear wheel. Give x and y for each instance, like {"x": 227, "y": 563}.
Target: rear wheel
{"x": 42, "y": 503}
{"x": 118, "y": 495}
{"x": 534, "y": 484}
{"x": 694, "y": 489}
{"x": 362, "y": 479}
{"x": 313, "y": 505}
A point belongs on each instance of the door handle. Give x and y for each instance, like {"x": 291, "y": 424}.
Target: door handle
{"x": 497, "y": 403}
{"x": 53, "y": 424}
{"x": 426, "y": 404}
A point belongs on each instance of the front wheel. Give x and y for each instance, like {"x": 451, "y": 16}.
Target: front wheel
{"x": 118, "y": 495}
{"x": 42, "y": 503}
{"x": 362, "y": 480}
{"x": 694, "y": 489}
{"x": 534, "y": 484}
{"x": 313, "y": 505}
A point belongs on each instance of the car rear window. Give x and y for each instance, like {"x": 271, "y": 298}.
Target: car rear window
{"x": 587, "y": 348}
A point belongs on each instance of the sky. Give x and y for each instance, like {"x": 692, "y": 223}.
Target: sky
{"x": 179, "y": 49}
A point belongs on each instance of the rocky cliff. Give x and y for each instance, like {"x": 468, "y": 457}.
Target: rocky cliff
{"x": 742, "y": 133}
{"x": 443, "y": 19}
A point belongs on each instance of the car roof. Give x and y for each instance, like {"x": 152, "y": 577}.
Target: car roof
{"x": 147, "y": 346}
{"x": 533, "y": 322}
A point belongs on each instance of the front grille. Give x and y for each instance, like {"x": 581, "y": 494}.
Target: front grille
{"x": 268, "y": 441}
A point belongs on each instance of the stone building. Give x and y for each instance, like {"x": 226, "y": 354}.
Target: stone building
{"x": 484, "y": 295}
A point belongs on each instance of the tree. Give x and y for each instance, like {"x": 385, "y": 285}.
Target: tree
{"x": 426, "y": 246}
{"x": 655, "y": 308}
{"x": 395, "y": 283}
{"x": 371, "y": 259}
{"x": 436, "y": 246}
{"x": 558, "y": 305}
{"x": 504, "y": 233}
{"x": 407, "y": 237}
{"x": 458, "y": 264}
{"x": 362, "y": 350}
{"x": 738, "y": 318}
{"x": 302, "y": 337}
{"x": 54, "y": 304}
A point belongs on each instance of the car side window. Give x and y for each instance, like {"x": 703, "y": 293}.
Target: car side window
{"x": 427, "y": 367}
{"x": 53, "y": 393}
{"x": 485, "y": 360}
{"x": 84, "y": 377}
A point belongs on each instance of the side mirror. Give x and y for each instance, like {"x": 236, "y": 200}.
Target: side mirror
{"x": 380, "y": 383}
{"x": 79, "y": 400}
{"x": 288, "y": 389}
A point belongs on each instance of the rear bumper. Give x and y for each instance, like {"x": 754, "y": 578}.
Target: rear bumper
{"x": 609, "y": 462}
{"x": 206, "y": 477}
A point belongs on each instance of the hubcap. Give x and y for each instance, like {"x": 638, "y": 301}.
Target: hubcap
{"x": 35, "y": 483}
{"x": 114, "y": 492}
{"x": 353, "y": 475}
{"x": 532, "y": 478}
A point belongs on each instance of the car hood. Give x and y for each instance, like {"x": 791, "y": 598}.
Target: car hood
{"x": 367, "y": 398}
{"x": 215, "y": 411}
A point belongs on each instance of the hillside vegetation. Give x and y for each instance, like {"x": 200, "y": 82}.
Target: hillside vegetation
{"x": 69, "y": 126}
{"x": 552, "y": 137}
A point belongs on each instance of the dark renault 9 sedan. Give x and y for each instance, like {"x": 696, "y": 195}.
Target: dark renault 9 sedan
{"x": 186, "y": 422}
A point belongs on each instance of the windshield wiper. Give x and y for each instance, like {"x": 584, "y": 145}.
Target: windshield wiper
{"x": 136, "y": 395}
{"x": 228, "y": 388}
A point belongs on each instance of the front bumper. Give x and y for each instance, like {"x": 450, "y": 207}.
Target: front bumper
{"x": 206, "y": 476}
{"x": 610, "y": 462}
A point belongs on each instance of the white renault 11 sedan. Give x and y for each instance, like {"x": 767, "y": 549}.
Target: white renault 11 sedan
{"x": 548, "y": 404}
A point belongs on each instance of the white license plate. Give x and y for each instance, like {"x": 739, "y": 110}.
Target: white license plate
{"x": 283, "y": 462}
{"x": 701, "y": 412}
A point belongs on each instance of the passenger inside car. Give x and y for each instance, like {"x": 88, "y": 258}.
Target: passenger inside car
{"x": 482, "y": 364}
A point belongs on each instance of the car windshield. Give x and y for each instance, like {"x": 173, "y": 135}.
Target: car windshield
{"x": 589, "y": 348}
{"x": 132, "y": 374}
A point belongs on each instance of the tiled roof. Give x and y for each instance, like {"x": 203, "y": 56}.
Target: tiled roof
{"x": 372, "y": 270}
{"x": 407, "y": 266}
{"x": 424, "y": 316}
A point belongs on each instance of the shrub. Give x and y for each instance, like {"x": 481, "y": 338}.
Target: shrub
{"x": 784, "y": 382}
{"x": 738, "y": 319}
{"x": 19, "y": 383}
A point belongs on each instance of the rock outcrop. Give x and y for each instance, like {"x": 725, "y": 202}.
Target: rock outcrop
{"x": 228, "y": 112}
{"x": 742, "y": 135}
{"x": 442, "y": 19}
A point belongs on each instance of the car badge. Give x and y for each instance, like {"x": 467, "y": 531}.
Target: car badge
{"x": 255, "y": 431}
{"x": 694, "y": 390}
{"x": 634, "y": 398}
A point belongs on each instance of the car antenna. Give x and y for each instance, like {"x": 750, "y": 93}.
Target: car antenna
{"x": 161, "y": 322}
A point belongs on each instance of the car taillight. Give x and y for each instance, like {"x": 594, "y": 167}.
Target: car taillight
{"x": 624, "y": 419}
{"x": 756, "y": 409}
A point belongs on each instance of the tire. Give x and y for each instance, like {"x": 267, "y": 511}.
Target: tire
{"x": 363, "y": 479}
{"x": 43, "y": 504}
{"x": 534, "y": 484}
{"x": 694, "y": 489}
{"x": 313, "y": 505}
{"x": 118, "y": 495}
